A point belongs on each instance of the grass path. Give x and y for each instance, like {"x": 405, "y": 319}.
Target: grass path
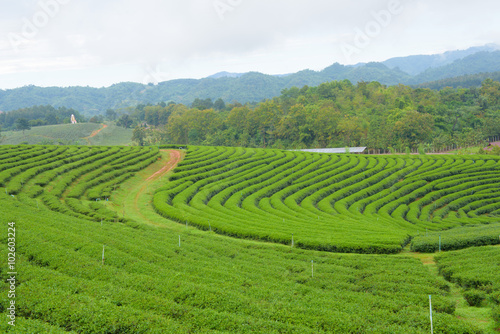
{"x": 134, "y": 198}
{"x": 480, "y": 316}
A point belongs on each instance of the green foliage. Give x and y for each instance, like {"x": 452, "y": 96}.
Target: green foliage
{"x": 125, "y": 121}
{"x": 496, "y": 313}
{"x": 472, "y": 268}
{"x": 474, "y": 297}
{"x": 476, "y": 270}
{"x": 112, "y": 135}
{"x": 139, "y": 135}
{"x": 209, "y": 284}
{"x": 457, "y": 238}
{"x": 339, "y": 114}
{"x": 38, "y": 115}
{"x": 68, "y": 133}
{"x": 249, "y": 87}
{"x": 464, "y": 81}
{"x": 22, "y": 124}
{"x": 89, "y": 173}
{"x": 333, "y": 114}
{"x": 328, "y": 201}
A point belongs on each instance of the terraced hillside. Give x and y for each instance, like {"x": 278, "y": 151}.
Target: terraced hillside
{"x": 70, "y": 134}
{"x": 340, "y": 203}
{"x": 83, "y": 268}
{"x": 92, "y": 255}
{"x": 60, "y": 177}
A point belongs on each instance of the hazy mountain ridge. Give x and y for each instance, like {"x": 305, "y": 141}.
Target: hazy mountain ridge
{"x": 415, "y": 65}
{"x": 254, "y": 86}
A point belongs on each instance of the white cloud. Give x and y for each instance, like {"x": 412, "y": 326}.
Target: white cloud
{"x": 169, "y": 39}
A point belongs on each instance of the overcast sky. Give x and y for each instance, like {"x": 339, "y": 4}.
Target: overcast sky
{"x": 102, "y": 42}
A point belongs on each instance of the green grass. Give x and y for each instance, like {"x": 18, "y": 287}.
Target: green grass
{"x": 70, "y": 134}
{"x": 457, "y": 238}
{"x": 467, "y": 150}
{"x": 480, "y": 316}
{"x": 476, "y": 271}
{"x": 112, "y": 135}
{"x": 210, "y": 282}
{"x": 341, "y": 203}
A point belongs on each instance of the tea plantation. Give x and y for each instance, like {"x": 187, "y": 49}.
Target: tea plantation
{"x": 102, "y": 247}
{"x": 340, "y": 203}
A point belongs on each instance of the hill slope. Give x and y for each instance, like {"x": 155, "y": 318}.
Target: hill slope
{"x": 70, "y": 134}
{"x": 342, "y": 203}
{"x": 251, "y": 87}
{"x": 89, "y": 268}
{"x": 415, "y": 65}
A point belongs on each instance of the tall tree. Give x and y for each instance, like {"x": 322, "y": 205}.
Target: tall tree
{"x": 125, "y": 121}
{"x": 111, "y": 114}
{"x": 219, "y": 104}
{"x": 414, "y": 128}
{"x": 23, "y": 124}
{"x": 139, "y": 135}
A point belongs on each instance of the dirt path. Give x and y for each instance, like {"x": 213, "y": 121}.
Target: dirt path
{"x": 175, "y": 157}
{"x": 94, "y": 133}
{"x": 104, "y": 126}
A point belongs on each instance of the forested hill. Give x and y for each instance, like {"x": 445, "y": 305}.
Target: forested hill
{"x": 464, "y": 81}
{"x": 249, "y": 87}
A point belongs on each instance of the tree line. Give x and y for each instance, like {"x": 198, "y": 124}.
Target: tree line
{"x": 25, "y": 118}
{"x": 334, "y": 114}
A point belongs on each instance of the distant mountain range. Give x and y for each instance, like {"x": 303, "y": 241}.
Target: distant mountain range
{"x": 424, "y": 70}
{"x": 415, "y": 65}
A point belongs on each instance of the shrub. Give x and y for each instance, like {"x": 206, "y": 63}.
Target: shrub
{"x": 474, "y": 297}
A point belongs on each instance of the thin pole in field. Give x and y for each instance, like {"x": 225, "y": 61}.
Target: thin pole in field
{"x": 179, "y": 241}
{"x": 312, "y": 268}
{"x": 430, "y": 309}
{"x": 292, "y": 239}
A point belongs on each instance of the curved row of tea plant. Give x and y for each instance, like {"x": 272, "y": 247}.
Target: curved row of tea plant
{"x": 457, "y": 238}
{"x": 66, "y": 178}
{"x": 149, "y": 283}
{"x": 477, "y": 271}
{"x": 341, "y": 203}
